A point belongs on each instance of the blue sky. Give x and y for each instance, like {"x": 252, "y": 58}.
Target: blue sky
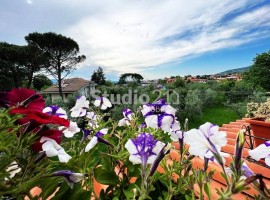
{"x": 155, "y": 38}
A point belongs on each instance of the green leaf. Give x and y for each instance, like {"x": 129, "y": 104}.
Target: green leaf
{"x": 50, "y": 185}
{"x": 105, "y": 177}
{"x": 188, "y": 197}
{"x": 207, "y": 190}
{"x": 65, "y": 192}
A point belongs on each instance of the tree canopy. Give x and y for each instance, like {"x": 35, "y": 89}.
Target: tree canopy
{"x": 19, "y": 63}
{"x": 130, "y": 77}
{"x": 41, "y": 81}
{"x": 98, "y": 76}
{"x": 259, "y": 73}
{"x": 61, "y": 54}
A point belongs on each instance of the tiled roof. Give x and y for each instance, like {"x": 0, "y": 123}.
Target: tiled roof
{"x": 69, "y": 86}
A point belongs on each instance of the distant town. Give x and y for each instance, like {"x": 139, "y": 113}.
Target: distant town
{"x": 197, "y": 79}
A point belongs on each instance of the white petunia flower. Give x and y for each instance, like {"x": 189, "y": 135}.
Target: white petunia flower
{"x": 80, "y": 108}
{"x": 175, "y": 132}
{"x": 262, "y": 151}
{"x": 13, "y": 169}
{"x": 103, "y": 103}
{"x": 93, "y": 119}
{"x": 159, "y": 115}
{"x": 205, "y": 140}
{"x": 128, "y": 116}
{"x": 71, "y": 130}
{"x": 51, "y": 149}
{"x": 97, "y": 138}
{"x": 55, "y": 110}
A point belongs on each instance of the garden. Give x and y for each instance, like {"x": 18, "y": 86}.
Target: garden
{"x": 86, "y": 153}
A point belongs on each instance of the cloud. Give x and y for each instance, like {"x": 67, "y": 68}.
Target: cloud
{"x": 29, "y": 2}
{"x": 136, "y": 36}
{"x": 132, "y": 36}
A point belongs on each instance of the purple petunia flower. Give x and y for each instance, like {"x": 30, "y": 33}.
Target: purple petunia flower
{"x": 70, "y": 177}
{"x": 144, "y": 149}
{"x": 80, "y": 108}
{"x": 159, "y": 115}
{"x": 128, "y": 116}
{"x": 55, "y": 110}
{"x": 97, "y": 138}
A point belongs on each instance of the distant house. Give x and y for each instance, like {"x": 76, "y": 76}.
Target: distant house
{"x": 69, "y": 87}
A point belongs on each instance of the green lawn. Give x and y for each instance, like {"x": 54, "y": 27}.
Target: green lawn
{"x": 216, "y": 115}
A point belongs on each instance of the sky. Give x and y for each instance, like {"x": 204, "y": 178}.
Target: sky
{"x": 156, "y": 38}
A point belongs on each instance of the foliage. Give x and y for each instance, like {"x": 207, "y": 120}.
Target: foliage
{"x": 260, "y": 110}
{"x": 6, "y": 83}
{"x": 98, "y": 76}
{"x": 179, "y": 82}
{"x": 258, "y": 74}
{"x": 19, "y": 63}
{"x": 110, "y": 154}
{"x": 60, "y": 51}
{"x": 130, "y": 77}
{"x": 41, "y": 82}
{"x": 193, "y": 105}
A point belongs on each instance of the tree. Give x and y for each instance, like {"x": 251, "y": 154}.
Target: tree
{"x": 11, "y": 63}
{"x": 98, "y": 76}
{"x": 41, "y": 81}
{"x": 61, "y": 54}
{"x": 34, "y": 60}
{"x": 129, "y": 77}
{"x": 259, "y": 72}
{"x": 19, "y": 63}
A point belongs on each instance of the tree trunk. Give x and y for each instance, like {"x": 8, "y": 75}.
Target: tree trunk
{"x": 60, "y": 82}
{"x": 30, "y": 78}
{"x": 14, "y": 77}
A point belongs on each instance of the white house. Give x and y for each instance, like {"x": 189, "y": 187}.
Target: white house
{"x": 69, "y": 87}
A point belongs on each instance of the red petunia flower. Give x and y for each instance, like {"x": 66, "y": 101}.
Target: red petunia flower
{"x": 40, "y": 117}
{"x": 23, "y": 98}
{"x": 50, "y": 133}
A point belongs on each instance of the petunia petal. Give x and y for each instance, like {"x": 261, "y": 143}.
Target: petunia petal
{"x": 130, "y": 146}
{"x": 91, "y": 144}
{"x": 262, "y": 151}
{"x": 63, "y": 156}
{"x": 135, "y": 159}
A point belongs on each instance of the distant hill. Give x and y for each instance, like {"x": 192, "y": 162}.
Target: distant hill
{"x": 232, "y": 71}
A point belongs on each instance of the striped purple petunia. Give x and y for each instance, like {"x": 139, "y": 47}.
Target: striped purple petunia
{"x": 70, "y": 176}
{"x": 80, "y": 108}
{"x": 55, "y": 110}
{"x": 128, "y": 116}
{"x": 144, "y": 149}
{"x": 98, "y": 137}
{"x": 159, "y": 115}
{"x": 262, "y": 151}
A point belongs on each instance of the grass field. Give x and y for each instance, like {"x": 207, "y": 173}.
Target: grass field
{"x": 216, "y": 115}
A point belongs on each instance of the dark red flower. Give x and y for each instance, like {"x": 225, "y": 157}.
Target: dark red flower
{"x": 50, "y": 133}
{"x": 40, "y": 117}
{"x": 23, "y": 98}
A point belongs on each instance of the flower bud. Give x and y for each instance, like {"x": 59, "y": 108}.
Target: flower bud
{"x": 238, "y": 150}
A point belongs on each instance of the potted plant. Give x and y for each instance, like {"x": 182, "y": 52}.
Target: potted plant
{"x": 259, "y": 121}
{"x": 47, "y": 152}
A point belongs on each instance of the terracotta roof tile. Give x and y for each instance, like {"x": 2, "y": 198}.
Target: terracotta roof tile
{"x": 68, "y": 85}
